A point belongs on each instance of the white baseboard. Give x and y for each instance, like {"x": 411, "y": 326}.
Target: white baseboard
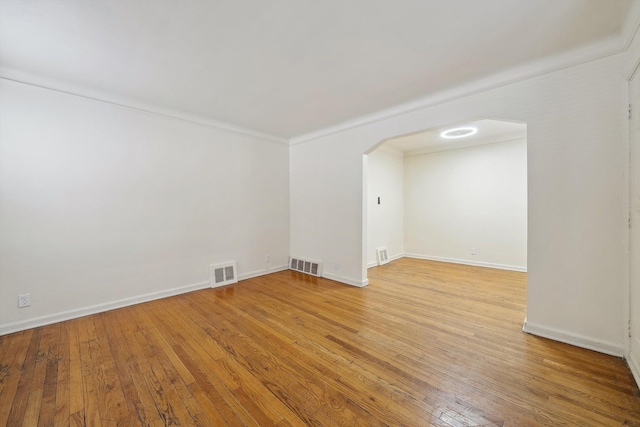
{"x": 578, "y": 340}
{"x": 634, "y": 365}
{"x": 252, "y": 274}
{"x": 345, "y": 280}
{"x": 469, "y": 262}
{"x": 9, "y": 328}
{"x": 391, "y": 258}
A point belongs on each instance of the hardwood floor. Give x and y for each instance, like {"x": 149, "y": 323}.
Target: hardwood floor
{"x": 426, "y": 343}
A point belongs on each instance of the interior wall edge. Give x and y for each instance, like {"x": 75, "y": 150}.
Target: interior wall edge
{"x": 606, "y": 347}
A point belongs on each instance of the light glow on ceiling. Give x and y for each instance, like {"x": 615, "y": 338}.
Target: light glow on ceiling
{"x": 459, "y": 132}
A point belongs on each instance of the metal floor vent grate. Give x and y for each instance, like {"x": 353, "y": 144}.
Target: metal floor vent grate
{"x": 383, "y": 255}
{"x": 223, "y": 274}
{"x": 306, "y": 266}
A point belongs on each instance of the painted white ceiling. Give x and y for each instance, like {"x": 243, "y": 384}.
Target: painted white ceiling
{"x": 489, "y": 132}
{"x": 288, "y": 68}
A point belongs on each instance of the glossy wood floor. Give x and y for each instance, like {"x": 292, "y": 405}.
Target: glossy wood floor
{"x": 426, "y": 343}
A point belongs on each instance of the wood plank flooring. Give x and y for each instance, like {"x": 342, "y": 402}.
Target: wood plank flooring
{"x": 426, "y": 343}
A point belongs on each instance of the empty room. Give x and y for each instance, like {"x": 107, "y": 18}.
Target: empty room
{"x": 292, "y": 213}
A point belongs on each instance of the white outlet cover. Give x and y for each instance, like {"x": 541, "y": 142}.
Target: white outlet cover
{"x": 24, "y": 300}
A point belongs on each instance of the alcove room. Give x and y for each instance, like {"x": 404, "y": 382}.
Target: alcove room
{"x": 456, "y": 194}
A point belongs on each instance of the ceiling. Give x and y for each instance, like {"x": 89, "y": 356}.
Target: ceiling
{"x": 288, "y": 68}
{"x": 489, "y": 132}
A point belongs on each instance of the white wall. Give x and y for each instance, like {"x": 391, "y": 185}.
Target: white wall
{"x": 385, "y": 176}
{"x": 324, "y": 221}
{"x": 105, "y": 205}
{"x": 576, "y": 143}
{"x": 473, "y": 197}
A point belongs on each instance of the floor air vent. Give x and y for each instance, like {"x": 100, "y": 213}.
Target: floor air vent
{"x": 313, "y": 268}
{"x": 223, "y": 274}
{"x": 383, "y": 255}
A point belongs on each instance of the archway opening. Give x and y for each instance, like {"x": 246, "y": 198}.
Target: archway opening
{"x": 460, "y": 199}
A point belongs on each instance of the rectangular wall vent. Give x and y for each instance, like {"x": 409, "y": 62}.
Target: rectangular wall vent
{"x": 311, "y": 267}
{"x": 383, "y": 255}
{"x": 222, "y": 274}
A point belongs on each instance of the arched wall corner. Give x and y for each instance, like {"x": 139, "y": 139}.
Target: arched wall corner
{"x": 576, "y": 120}
{"x": 458, "y": 122}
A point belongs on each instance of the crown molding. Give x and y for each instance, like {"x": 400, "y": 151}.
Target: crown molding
{"x": 604, "y": 48}
{"x": 607, "y": 47}
{"x": 631, "y": 24}
{"x": 16, "y": 77}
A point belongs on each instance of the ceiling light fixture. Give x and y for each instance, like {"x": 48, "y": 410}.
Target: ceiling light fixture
{"x": 460, "y": 132}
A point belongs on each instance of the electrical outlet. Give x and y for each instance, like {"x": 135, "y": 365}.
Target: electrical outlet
{"x": 267, "y": 258}
{"x": 24, "y": 300}
{"x": 336, "y": 265}
{"x": 473, "y": 251}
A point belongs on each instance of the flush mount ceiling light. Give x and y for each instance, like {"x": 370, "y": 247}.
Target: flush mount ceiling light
{"x": 459, "y": 132}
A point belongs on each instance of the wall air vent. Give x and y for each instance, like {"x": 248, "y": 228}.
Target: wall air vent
{"x": 306, "y": 266}
{"x": 383, "y": 255}
{"x": 223, "y": 274}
